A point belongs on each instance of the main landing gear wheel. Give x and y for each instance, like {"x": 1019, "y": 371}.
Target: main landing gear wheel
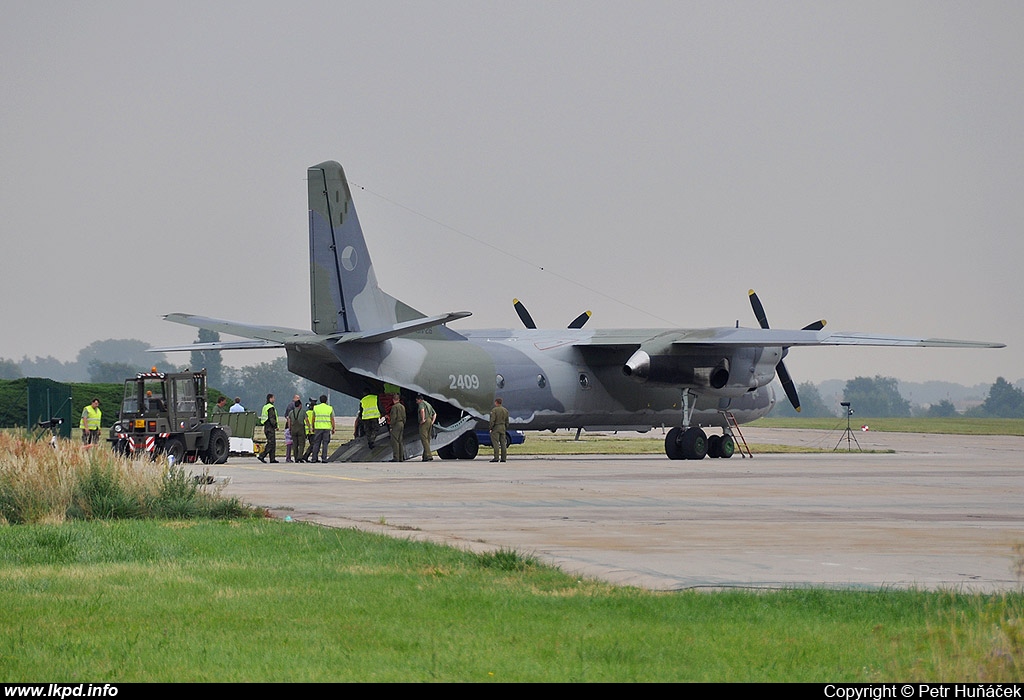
{"x": 467, "y": 446}
{"x": 689, "y": 443}
{"x": 721, "y": 446}
{"x": 726, "y": 447}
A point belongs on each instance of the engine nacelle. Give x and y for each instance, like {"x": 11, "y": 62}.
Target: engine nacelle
{"x": 744, "y": 370}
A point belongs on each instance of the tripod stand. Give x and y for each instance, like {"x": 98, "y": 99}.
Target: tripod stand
{"x": 848, "y": 433}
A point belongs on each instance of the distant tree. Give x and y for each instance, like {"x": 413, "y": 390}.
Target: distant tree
{"x": 878, "y": 397}
{"x": 111, "y": 372}
{"x": 127, "y": 351}
{"x": 942, "y": 409}
{"x": 9, "y": 369}
{"x": 256, "y": 381}
{"x": 209, "y": 359}
{"x": 52, "y": 368}
{"x": 811, "y": 403}
{"x": 1004, "y": 400}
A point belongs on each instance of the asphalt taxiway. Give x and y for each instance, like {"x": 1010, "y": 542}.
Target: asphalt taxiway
{"x": 942, "y": 511}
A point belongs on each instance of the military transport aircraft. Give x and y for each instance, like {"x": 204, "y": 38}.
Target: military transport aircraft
{"x": 630, "y": 379}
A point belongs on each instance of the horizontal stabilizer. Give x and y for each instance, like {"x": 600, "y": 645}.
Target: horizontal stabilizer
{"x": 274, "y": 335}
{"x": 399, "y": 329}
{"x": 227, "y": 345}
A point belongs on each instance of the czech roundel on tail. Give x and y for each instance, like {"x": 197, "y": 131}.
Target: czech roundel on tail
{"x": 361, "y": 338}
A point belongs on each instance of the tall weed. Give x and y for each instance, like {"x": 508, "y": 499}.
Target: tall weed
{"x": 44, "y": 484}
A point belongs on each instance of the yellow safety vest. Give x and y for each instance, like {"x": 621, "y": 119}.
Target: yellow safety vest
{"x": 266, "y": 413}
{"x": 322, "y": 413}
{"x": 370, "y": 408}
{"x": 91, "y": 418}
{"x": 309, "y": 421}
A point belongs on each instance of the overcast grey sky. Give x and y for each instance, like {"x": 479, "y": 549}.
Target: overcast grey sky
{"x": 857, "y": 161}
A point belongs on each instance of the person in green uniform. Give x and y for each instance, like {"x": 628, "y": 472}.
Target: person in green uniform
{"x": 397, "y": 417}
{"x": 499, "y": 430}
{"x": 426, "y": 415}
{"x": 268, "y": 418}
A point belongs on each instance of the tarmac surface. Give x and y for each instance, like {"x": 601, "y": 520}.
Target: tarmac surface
{"x": 942, "y": 512}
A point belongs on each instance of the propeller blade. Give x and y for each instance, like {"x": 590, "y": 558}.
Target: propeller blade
{"x": 788, "y": 385}
{"x": 524, "y": 315}
{"x": 780, "y": 369}
{"x": 755, "y": 303}
{"x": 580, "y": 320}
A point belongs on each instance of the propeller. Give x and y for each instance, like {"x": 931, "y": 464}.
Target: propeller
{"x": 528, "y": 321}
{"x": 780, "y": 369}
{"x": 524, "y": 315}
{"x": 580, "y": 320}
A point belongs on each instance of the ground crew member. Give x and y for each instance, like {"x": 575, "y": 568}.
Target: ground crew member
{"x": 310, "y": 433}
{"x": 221, "y": 407}
{"x": 426, "y": 414}
{"x": 397, "y": 417}
{"x": 91, "y": 417}
{"x": 268, "y": 418}
{"x": 323, "y": 424}
{"x": 369, "y": 416}
{"x": 499, "y": 430}
{"x": 295, "y": 419}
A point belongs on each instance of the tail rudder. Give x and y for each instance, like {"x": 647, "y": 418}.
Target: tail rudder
{"x": 344, "y": 294}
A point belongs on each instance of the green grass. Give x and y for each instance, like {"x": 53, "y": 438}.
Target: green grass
{"x": 944, "y": 426}
{"x": 41, "y": 484}
{"x": 261, "y": 600}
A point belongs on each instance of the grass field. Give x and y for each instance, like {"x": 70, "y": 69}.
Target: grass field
{"x": 944, "y": 426}
{"x": 261, "y": 600}
{"x": 89, "y": 595}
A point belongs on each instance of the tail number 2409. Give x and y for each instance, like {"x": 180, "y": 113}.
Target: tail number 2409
{"x": 464, "y": 381}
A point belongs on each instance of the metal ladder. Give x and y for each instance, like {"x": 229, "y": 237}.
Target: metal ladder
{"x": 733, "y": 428}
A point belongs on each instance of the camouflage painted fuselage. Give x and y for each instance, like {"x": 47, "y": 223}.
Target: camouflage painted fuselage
{"x": 545, "y": 379}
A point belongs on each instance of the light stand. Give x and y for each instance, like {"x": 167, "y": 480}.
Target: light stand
{"x": 848, "y": 433}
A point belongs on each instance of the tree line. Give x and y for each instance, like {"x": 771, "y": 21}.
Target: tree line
{"x": 879, "y": 397}
{"x": 114, "y": 360}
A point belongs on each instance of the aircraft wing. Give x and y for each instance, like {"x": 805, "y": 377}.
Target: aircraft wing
{"x": 758, "y": 337}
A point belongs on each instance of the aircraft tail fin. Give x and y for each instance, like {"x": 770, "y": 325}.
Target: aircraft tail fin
{"x": 343, "y": 287}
